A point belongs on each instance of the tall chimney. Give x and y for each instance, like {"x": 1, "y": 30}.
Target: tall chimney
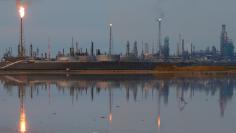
{"x": 31, "y": 50}
{"x": 92, "y": 47}
{"x": 127, "y": 48}
{"x": 21, "y": 47}
{"x": 110, "y": 39}
{"x": 159, "y": 35}
{"x": 182, "y": 46}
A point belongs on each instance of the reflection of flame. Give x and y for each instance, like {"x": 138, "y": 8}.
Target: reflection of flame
{"x": 110, "y": 117}
{"x": 158, "y": 121}
{"x": 22, "y": 11}
{"x": 22, "y": 122}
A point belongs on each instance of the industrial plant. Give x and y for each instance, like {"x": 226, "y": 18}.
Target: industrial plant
{"x": 96, "y": 59}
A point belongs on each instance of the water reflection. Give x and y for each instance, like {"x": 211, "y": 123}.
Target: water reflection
{"x": 158, "y": 120}
{"x": 110, "y": 106}
{"x": 77, "y": 85}
{"x": 132, "y": 87}
{"x": 22, "y": 119}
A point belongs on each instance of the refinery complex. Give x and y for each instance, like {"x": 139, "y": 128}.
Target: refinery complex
{"x": 94, "y": 59}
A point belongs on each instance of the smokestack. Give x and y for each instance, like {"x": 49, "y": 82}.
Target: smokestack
{"x": 31, "y": 50}
{"x": 110, "y": 39}
{"x": 191, "y": 48}
{"x": 72, "y": 51}
{"x": 49, "y": 48}
{"x": 21, "y": 47}
{"x": 72, "y": 43}
{"x": 223, "y": 28}
{"x": 223, "y": 39}
{"x": 37, "y": 52}
{"x": 159, "y": 35}
{"x": 177, "y": 49}
{"x": 135, "y": 50}
{"x": 178, "y": 45}
{"x": 153, "y": 48}
{"x": 91, "y": 48}
{"x": 182, "y": 46}
{"x": 21, "y": 38}
{"x": 127, "y": 48}
{"x": 77, "y": 47}
{"x": 146, "y": 48}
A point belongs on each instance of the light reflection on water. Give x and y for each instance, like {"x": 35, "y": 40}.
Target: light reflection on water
{"x": 22, "y": 120}
{"x": 117, "y": 104}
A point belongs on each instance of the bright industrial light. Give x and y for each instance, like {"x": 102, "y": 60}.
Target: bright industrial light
{"x": 22, "y": 11}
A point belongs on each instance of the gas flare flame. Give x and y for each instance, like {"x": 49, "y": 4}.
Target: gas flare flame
{"x": 22, "y": 11}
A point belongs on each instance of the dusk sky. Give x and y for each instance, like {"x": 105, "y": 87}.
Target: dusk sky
{"x": 199, "y": 22}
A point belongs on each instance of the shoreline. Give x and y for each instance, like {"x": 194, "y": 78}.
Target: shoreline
{"x": 117, "y": 72}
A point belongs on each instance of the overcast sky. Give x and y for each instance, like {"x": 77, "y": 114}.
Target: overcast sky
{"x": 199, "y": 22}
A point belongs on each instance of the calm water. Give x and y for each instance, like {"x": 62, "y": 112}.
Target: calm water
{"x": 117, "y": 104}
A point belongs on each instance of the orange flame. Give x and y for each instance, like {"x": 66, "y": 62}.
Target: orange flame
{"x": 22, "y": 11}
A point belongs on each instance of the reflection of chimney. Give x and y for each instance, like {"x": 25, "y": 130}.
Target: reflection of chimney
{"x": 158, "y": 119}
{"x": 22, "y": 120}
{"x": 92, "y": 93}
{"x": 110, "y": 105}
{"x": 127, "y": 93}
{"x": 222, "y": 107}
